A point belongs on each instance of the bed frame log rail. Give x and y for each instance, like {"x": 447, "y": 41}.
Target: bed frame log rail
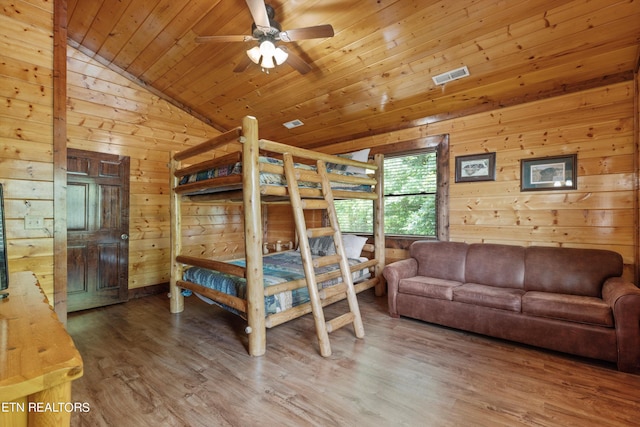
{"x": 328, "y": 295}
{"x": 253, "y": 195}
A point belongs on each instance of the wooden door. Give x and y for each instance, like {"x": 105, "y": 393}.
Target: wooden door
{"x": 97, "y": 229}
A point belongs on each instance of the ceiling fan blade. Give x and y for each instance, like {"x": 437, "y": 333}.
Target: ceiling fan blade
{"x": 298, "y": 63}
{"x": 224, "y": 39}
{"x": 317, "y": 32}
{"x": 259, "y": 13}
{"x": 242, "y": 65}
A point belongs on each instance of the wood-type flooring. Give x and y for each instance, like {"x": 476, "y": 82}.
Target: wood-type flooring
{"x": 147, "y": 367}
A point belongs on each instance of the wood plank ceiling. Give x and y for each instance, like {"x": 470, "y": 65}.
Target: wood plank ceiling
{"x": 376, "y": 73}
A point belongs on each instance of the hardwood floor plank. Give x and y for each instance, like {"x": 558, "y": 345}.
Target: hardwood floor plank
{"x": 147, "y": 367}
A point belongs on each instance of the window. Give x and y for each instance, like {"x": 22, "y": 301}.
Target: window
{"x": 410, "y": 202}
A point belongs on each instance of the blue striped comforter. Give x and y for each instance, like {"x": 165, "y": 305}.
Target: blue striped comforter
{"x": 279, "y": 267}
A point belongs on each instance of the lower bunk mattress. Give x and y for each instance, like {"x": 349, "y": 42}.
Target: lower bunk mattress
{"x": 278, "y": 268}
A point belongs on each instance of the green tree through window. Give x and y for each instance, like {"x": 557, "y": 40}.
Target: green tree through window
{"x": 410, "y": 186}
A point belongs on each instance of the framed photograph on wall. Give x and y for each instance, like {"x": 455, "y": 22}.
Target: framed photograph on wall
{"x": 476, "y": 167}
{"x": 549, "y": 173}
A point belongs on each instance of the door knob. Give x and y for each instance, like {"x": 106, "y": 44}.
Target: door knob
{"x": 124, "y": 236}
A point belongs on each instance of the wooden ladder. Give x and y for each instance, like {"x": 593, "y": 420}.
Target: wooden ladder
{"x": 299, "y": 205}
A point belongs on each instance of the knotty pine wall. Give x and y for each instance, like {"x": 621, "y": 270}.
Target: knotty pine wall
{"x": 596, "y": 124}
{"x": 26, "y": 134}
{"x": 110, "y": 114}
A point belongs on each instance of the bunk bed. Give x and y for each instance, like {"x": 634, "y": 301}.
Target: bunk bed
{"x": 255, "y": 175}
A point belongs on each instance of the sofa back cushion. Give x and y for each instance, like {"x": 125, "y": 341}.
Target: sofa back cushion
{"x": 570, "y": 270}
{"x": 495, "y": 265}
{"x": 442, "y": 260}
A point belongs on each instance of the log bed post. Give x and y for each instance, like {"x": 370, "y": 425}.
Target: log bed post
{"x": 177, "y": 299}
{"x": 379, "y": 240}
{"x": 253, "y": 237}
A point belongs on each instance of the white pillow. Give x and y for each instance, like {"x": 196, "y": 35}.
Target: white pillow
{"x": 323, "y": 246}
{"x": 353, "y": 245}
{"x": 360, "y": 156}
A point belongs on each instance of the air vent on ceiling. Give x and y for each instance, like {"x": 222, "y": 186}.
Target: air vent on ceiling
{"x": 293, "y": 124}
{"x": 456, "y": 74}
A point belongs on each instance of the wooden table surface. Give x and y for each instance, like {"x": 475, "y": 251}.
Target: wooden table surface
{"x": 38, "y": 359}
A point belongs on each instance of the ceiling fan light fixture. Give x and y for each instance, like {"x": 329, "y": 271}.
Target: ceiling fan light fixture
{"x": 254, "y": 54}
{"x": 280, "y": 55}
{"x": 267, "y": 48}
{"x": 267, "y": 62}
{"x": 268, "y": 32}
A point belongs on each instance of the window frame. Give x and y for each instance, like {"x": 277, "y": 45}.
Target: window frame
{"x": 435, "y": 193}
{"x": 439, "y": 143}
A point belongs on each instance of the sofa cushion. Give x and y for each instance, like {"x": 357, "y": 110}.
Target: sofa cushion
{"x": 442, "y": 260}
{"x": 575, "y": 308}
{"x": 489, "y": 296}
{"x": 428, "y": 287}
{"x": 570, "y": 270}
{"x": 495, "y": 265}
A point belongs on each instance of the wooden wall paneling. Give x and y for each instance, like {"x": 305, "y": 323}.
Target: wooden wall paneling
{"x": 280, "y": 225}
{"x": 597, "y": 124}
{"x": 34, "y": 23}
{"x": 213, "y": 230}
{"x": 26, "y": 135}
{"x": 108, "y": 113}
{"x": 532, "y": 137}
{"x": 516, "y": 144}
{"x": 548, "y": 217}
{"x": 25, "y": 169}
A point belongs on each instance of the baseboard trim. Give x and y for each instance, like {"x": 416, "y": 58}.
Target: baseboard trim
{"x": 146, "y": 291}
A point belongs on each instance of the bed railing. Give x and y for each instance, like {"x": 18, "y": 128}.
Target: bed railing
{"x": 252, "y": 194}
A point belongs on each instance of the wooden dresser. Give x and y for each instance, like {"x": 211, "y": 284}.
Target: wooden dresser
{"x": 38, "y": 359}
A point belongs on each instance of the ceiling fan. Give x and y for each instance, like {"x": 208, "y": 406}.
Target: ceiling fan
{"x": 267, "y": 32}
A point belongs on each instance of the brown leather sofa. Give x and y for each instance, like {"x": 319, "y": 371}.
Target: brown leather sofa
{"x": 564, "y": 299}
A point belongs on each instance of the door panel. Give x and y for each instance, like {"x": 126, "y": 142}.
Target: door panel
{"x": 97, "y": 229}
{"x": 77, "y": 258}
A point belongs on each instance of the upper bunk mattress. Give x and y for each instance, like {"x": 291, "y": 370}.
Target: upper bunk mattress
{"x": 267, "y": 178}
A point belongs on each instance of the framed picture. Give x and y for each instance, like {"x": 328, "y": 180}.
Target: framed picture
{"x": 549, "y": 173}
{"x": 477, "y": 167}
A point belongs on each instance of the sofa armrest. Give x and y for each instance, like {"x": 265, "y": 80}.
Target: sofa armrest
{"x": 395, "y": 272}
{"x": 624, "y": 299}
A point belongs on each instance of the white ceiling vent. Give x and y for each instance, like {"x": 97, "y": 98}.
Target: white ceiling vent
{"x": 293, "y": 124}
{"x": 456, "y": 74}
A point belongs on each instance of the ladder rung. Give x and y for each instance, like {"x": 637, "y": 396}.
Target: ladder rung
{"x": 314, "y": 204}
{"x": 300, "y": 201}
{"x": 319, "y": 232}
{"x": 340, "y": 321}
{"x": 331, "y": 291}
{"x": 326, "y": 260}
